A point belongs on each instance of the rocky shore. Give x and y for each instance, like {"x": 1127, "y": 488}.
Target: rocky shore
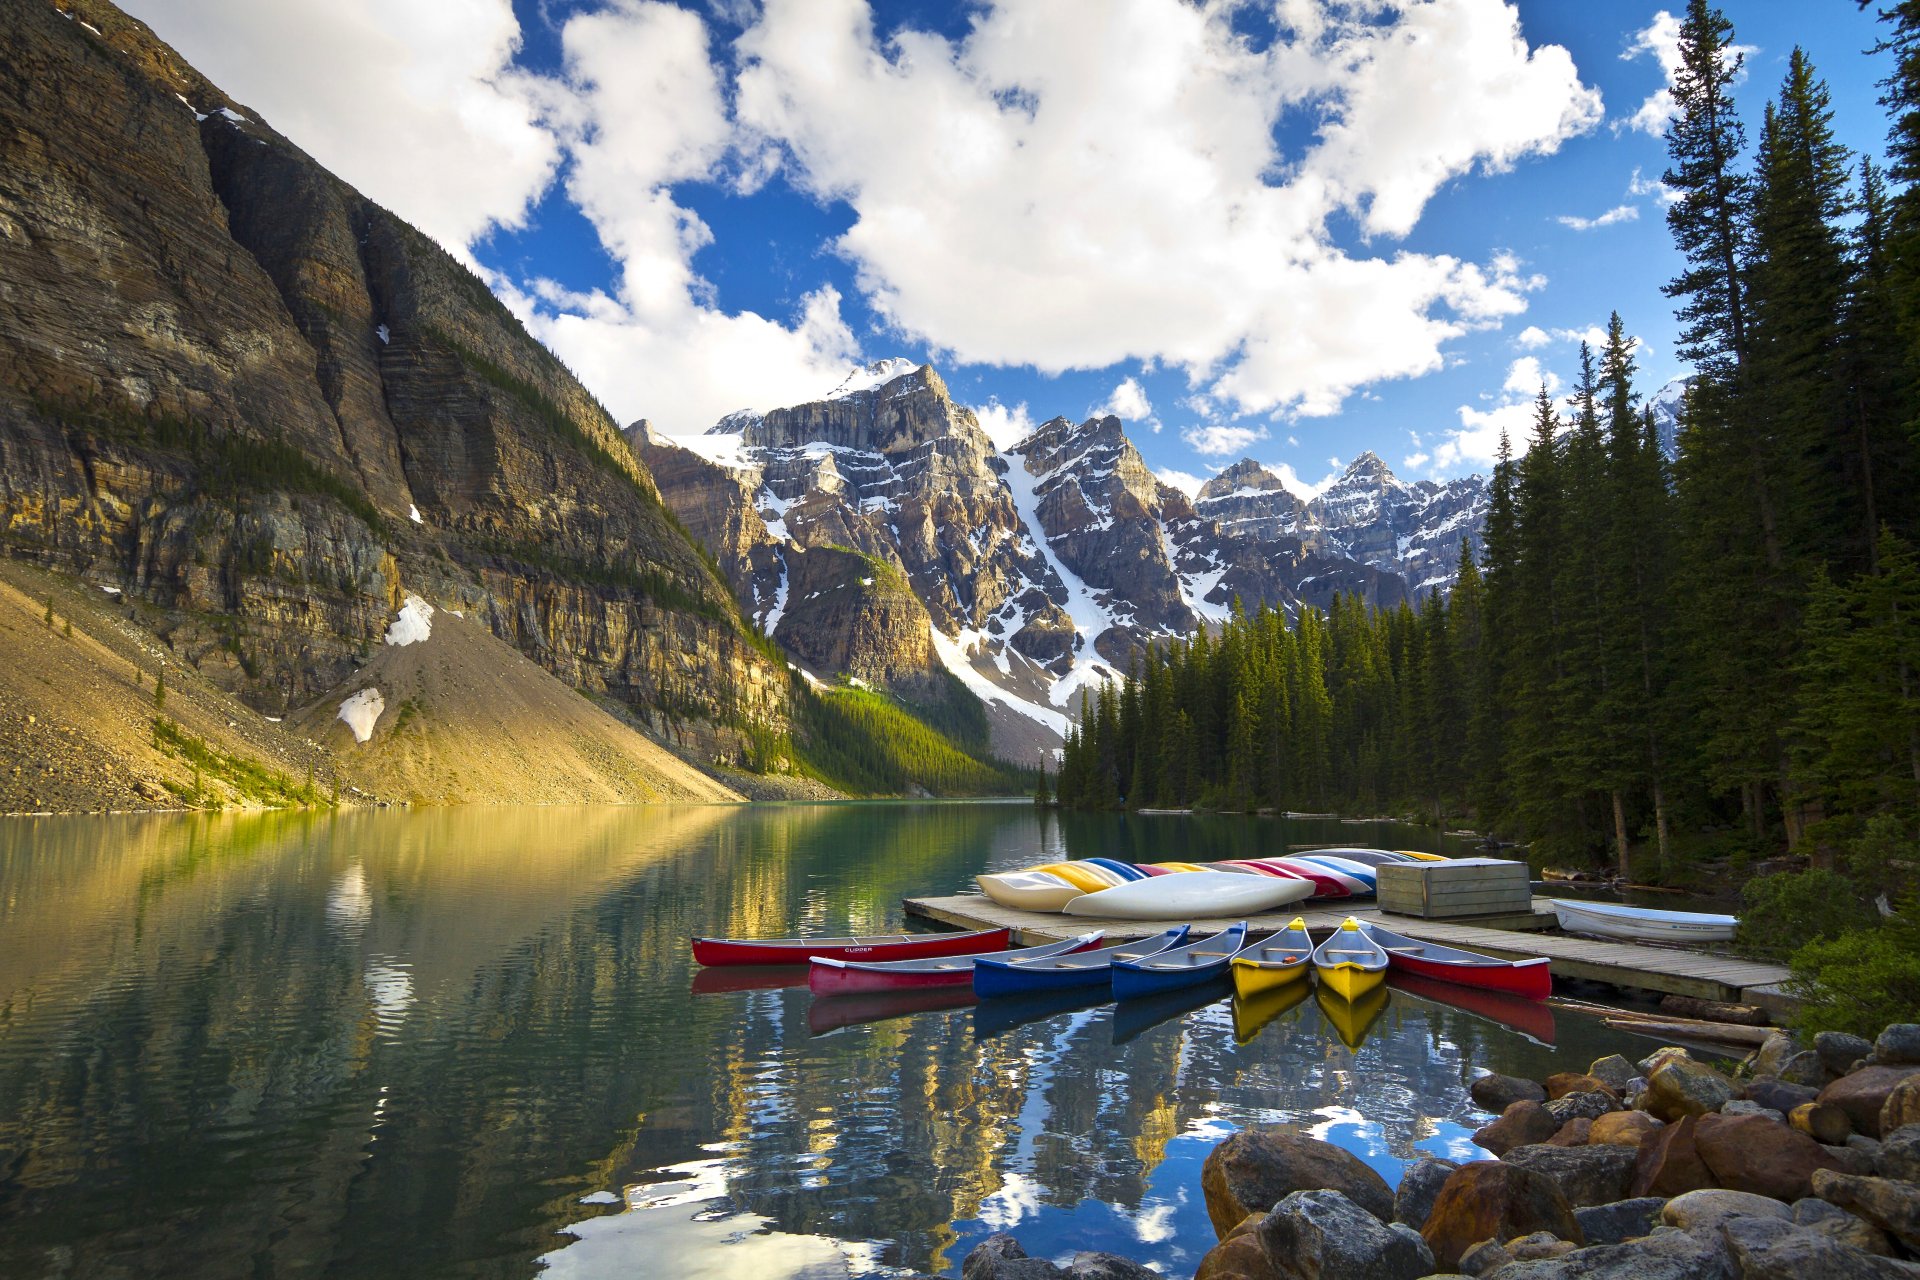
{"x": 1801, "y": 1163}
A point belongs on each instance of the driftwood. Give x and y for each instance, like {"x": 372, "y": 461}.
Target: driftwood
{"x": 1688, "y": 1029}
{"x": 1745, "y": 1015}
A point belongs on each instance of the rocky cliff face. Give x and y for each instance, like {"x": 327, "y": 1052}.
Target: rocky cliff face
{"x": 235, "y": 388}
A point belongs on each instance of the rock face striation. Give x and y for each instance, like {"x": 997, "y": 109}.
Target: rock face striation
{"x": 240, "y": 392}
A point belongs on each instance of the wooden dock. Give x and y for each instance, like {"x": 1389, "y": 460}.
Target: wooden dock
{"x": 1666, "y": 970}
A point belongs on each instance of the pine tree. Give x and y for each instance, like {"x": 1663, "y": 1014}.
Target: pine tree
{"x": 160, "y": 691}
{"x": 1704, "y": 140}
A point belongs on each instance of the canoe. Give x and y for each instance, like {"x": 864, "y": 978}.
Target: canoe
{"x": 1084, "y": 876}
{"x": 1365, "y": 857}
{"x": 1528, "y": 978}
{"x": 1193, "y": 895}
{"x": 838, "y": 977}
{"x": 1531, "y": 1018}
{"x": 1132, "y": 1018}
{"x": 1251, "y": 867}
{"x": 1029, "y": 890}
{"x": 1352, "y": 1019}
{"x": 1178, "y": 866}
{"x": 1279, "y": 961}
{"x": 1418, "y": 856}
{"x": 1325, "y": 883}
{"x": 1357, "y": 876}
{"x": 1349, "y": 963}
{"x": 1251, "y": 1014}
{"x": 998, "y": 976}
{"x": 836, "y": 1013}
{"x": 893, "y": 946}
{"x": 1125, "y": 870}
{"x": 1642, "y": 923}
{"x": 1176, "y": 967}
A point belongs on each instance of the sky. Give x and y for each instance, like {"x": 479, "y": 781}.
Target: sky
{"x": 1291, "y": 230}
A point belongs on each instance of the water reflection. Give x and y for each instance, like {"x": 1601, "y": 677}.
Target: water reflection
{"x": 470, "y": 1042}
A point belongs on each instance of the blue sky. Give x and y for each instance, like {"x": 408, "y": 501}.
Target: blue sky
{"x": 1289, "y": 230}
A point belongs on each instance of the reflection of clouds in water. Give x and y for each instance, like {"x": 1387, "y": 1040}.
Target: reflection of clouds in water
{"x": 1017, "y": 1200}
{"x": 1155, "y": 1224}
{"x": 391, "y": 986}
{"x": 349, "y": 905}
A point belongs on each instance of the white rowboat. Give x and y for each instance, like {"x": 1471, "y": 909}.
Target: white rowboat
{"x": 1190, "y": 895}
{"x": 1643, "y": 924}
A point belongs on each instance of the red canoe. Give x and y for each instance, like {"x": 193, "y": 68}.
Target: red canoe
{"x": 829, "y": 976}
{"x": 897, "y": 946}
{"x": 1526, "y": 978}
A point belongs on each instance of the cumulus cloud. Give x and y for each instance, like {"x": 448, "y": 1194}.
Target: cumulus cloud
{"x": 1216, "y": 440}
{"x": 418, "y": 105}
{"x": 1185, "y": 481}
{"x": 1525, "y": 377}
{"x": 1290, "y": 480}
{"x": 1475, "y": 443}
{"x": 1660, "y": 40}
{"x": 1617, "y": 214}
{"x": 1085, "y": 218}
{"x": 1660, "y": 191}
{"x": 1129, "y": 403}
{"x": 1531, "y": 338}
{"x": 1005, "y": 427}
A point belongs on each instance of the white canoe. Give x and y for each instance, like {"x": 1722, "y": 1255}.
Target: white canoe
{"x": 1644, "y": 924}
{"x": 1191, "y": 895}
{"x": 1029, "y": 890}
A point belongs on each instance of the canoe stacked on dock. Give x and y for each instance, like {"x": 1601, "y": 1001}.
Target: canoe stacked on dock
{"x": 1149, "y": 890}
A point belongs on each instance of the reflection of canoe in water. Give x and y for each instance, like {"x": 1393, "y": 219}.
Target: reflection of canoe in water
{"x": 1252, "y": 1013}
{"x": 1529, "y": 1017}
{"x": 834, "y": 1013}
{"x": 1351, "y": 1019}
{"x": 1131, "y": 1017}
{"x": 747, "y": 977}
{"x": 892, "y": 946}
{"x": 997, "y": 1017}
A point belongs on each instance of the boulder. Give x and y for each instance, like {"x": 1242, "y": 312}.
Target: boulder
{"x": 1670, "y": 1053}
{"x": 1590, "y": 1105}
{"x": 1774, "y": 1249}
{"x": 1839, "y": 1051}
{"x": 1668, "y": 1164}
{"x": 1093, "y": 1264}
{"x": 1496, "y": 1093}
{"x": 1804, "y": 1068}
{"x": 1573, "y": 1133}
{"x": 1000, "y": 1257}
{"x": 1521, "y": 1123}
{"x": 1484, "y": 1258}
{"x": 1831, "y": 1220}
{"x": 1821, "y": 1121}
{"x": 1621, "y": 1220}
{"x": 1744, "y": 1107}
{"x": 1585, "y": 1175}
{"x": 1239, "y": 1255}
{"x": 1773, "y": 1053}
{"x": 1752, "y": 1153}
{"x": 1902, "y": 1106}
{"x": 1257, "y": 1168}
{"x": 1419, "y": 1184}
{"x": 1541, "y": 1244}
{"x": 1668, "y": 1255}
{"x": 1778, "y": 1095}
{"x": 1613, "y": 1071}
{"x": 1562, "y": 1083}
{"x": 1863, "y": 1093}
{"x": 1623, "y": 1128}
{"x": 1682, "y": 1087}
{"x": 1322, "y": 1235}
{"x": 1892, "y": 1206}
{"x": 1706, "y": 1210}
{"x": 1852, "y": 1160}
{"x": 1494, "y": 1200}
{"x": 1899, "y": 1154}
{"x": 1898, "y": 1044}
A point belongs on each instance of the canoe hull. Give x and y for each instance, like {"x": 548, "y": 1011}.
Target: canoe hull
{"x": 1610, "y": 921}
{"x": 1251, "y": 977}
{"x": 1029, "y": 890}
{"x": 1350, "y": 981}
{"x": 845, "y": 977}
{"x": 714, "y": 952}
{"x": 998, "y": 976}
{"x": 1191, "y": 895}
{"x": 1527, "y": 978}
{"x": 1178, "y": 967}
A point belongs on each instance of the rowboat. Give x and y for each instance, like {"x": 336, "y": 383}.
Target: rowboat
{"x": 1531, "y": 1018}
{"x": 1643, "y": 924}
{"x": 1325, "y": 883}
{"x": 835, "y": 1013}
{"x": 1176, "y": 967}
{"x": 1351, "y": 1019}
{"x": 838, "y": 977}
{"x": 1279, "y": 961}
{"x": 1357, "y": 876}
{"x": 1349, "y": 963}
{"x": 1528, "y": 978}
{"x": 1252, "y": 1013}
{"x": 1029, "y": 890}
{"x": 1192, "y": 895}
{"x": 998, "y": 976}
{"x": 893, "y": 946}
{"x": 1133, "y": 1017}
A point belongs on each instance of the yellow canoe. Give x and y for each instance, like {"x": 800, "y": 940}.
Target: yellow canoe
{"x": 1178, "y": 866}
{"x": 1424, "y": 857}
{"x": 1350, "y": 963}
{"x": 1087, "y": 879}
{"x": 1279, "y": 961}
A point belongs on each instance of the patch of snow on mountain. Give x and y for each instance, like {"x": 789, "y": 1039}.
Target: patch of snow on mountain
{"x": 413, "y": 514}
{"x": 414, "y": 624}
{"x": 779, "y": 607}
{"x": 877, "y": 374}
{"x": 361, "y": 711}
{"x": 721, "y": 448}
{"x": 954, "y": 655}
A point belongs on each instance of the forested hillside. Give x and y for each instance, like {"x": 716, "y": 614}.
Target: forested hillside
{"x": 1647, "y": 660}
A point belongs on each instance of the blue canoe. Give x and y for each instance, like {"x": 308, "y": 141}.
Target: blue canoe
{"x": 994, "y": 976}
{"x": 1125, "y": 870}
{"x": 1177, "y": 966}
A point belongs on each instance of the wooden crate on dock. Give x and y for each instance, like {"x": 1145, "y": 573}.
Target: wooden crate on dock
{"x": 1459, "y": 887}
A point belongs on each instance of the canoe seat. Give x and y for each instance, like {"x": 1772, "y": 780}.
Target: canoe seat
{"x": 1348, "y": 951}
{"x": 1404, "y": 951}
{"x": 1209, "y": 953}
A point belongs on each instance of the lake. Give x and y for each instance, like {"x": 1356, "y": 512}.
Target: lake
{"x": 471, "y": 1042}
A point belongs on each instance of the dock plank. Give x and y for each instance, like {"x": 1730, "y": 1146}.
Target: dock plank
{"x": 1666, "y": 970}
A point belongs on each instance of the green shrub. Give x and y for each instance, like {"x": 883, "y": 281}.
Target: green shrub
{"x": 1861, "y": 980}
{"x": 1780, "y": 913}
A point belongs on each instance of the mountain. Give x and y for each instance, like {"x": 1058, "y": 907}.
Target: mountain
{"x": 263, "y": 412}
{"x": 1666, "y": 404}
{"x": 878, "y": 534}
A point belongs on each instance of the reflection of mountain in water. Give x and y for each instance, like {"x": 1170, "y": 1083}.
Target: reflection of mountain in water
{"x": 409, "y": 1044}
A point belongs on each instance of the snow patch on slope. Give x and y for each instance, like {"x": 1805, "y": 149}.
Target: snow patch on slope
{"x": 877, "y": 374}
{"x": 954, "y": 655}
{"x": 361, "y": 711}
{"x": 414, "y": 624}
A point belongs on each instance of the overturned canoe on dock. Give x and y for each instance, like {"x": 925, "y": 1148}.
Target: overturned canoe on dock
{"x": 1191, "y": 895}
{"x": 1643, "y": 924}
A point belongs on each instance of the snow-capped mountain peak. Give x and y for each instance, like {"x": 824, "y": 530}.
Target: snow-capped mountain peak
{"x": 868, "y": 377}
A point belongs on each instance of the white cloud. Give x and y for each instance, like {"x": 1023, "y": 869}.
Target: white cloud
{"x": 1475, "y": 443}
{"x": 1531, "y": 338}
{"x": 1617, "y": 214}
{"x": 1217, "y": 440}
{"x": 1290, "y": 480}
{"x": 1084, "y": 217}
{"x": 1294, "y": 441}
{"x": 1129, "y": 403}
{"x": 1661, "y": 40}
{"x": 1525, "y": 377}
{"x": 1593, "y": 335}
{"x": 1660, "y": 191}
{"x": 1414, "y": 461}
{"x": 1185, "y": 481}
{"x": 417, "y": 104}
{"x": 1005, "y": 427}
